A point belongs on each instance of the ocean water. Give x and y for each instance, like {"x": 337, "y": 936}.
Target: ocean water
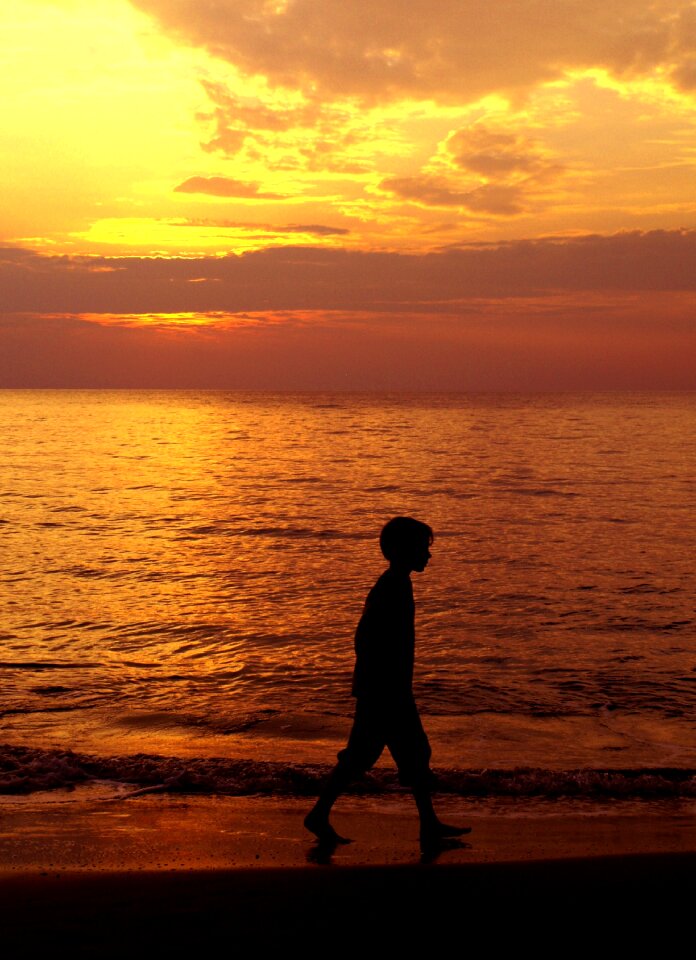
{"x": 182, "y": 572}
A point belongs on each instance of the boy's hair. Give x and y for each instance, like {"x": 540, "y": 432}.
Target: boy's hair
{"x": 401, "y": 534}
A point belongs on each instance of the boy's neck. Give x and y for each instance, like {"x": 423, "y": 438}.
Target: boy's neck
{"x": 400, "y": 569}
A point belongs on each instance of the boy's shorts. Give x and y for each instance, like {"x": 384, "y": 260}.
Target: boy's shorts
{"x": 395, "y": 725}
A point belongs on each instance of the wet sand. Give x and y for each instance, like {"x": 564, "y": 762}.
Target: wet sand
{"x": 184, "y": 874}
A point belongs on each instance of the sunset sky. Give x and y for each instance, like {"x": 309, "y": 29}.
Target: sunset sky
{"x": 342, "y": 194}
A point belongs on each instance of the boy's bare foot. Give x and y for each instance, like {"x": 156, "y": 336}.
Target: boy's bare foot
{"x": 322, "y": 829}
{"x": 449, "y": 830}
{"x": 436, "y": 838}
{"x": 434, "y": 833}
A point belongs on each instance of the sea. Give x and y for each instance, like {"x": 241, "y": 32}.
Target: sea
{"x": 182, "y": 572}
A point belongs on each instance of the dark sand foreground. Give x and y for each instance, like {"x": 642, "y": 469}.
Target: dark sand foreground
{"x": 209, "y": 877}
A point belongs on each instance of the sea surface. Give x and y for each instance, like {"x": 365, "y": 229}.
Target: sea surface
{"x": 181, "y": 575}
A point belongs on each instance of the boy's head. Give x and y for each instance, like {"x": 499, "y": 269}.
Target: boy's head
{"x": 405, "y": 542}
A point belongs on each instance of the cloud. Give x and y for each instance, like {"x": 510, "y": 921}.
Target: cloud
{"x": 447, "y": 50}
{"x": 568, "y": 344}
{"x": 316, "y": 229}
{"x": 268, "y": 229}
{"x": 252, "y": 112}
{"x": 225, "y": 187}
{"x": 320, "y": 278}
{"x": 495, "y": 154}
{"x": 591, "y": 312}
{"x": 236, "y": 118}
{"x": 434, "y": 191}
{"x": 481, "y": 169}
{"x": 283, "y": 133}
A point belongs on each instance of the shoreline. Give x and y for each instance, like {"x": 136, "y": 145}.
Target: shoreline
{"x": 193, "y": 832}
{"x": 184, "y": 874}
{"x": 618, "y": 740}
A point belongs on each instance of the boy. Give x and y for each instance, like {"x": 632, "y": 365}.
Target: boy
{"x": 385, "y": 711}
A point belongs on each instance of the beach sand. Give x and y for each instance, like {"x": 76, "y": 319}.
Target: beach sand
{"x": 202, "y": 875}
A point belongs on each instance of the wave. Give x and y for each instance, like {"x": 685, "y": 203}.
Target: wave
{"x": 46, "y": 665}
{"x": 25, "y": 770}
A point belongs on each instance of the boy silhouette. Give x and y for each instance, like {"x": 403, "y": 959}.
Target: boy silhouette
{"x": 385, "y": 711}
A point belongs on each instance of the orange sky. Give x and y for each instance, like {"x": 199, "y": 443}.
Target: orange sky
{"x": 474, "y": 194}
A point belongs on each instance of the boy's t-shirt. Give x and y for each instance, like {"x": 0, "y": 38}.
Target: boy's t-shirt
{"x": 385, "y": 641}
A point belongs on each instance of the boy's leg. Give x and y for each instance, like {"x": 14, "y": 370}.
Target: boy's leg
{"x": 362, "y": 751}
{"x": 409, "y": 745}
{"x": 432, "y": 829}
{"x": 317, "y": 820}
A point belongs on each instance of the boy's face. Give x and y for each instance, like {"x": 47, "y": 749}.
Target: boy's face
{"x": 419, "y": 555}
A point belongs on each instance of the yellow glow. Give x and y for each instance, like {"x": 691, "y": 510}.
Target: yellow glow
{"x": 151, "y": 237}
{"x": 652, "y": 89}
{"x": 182, "y": 319}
